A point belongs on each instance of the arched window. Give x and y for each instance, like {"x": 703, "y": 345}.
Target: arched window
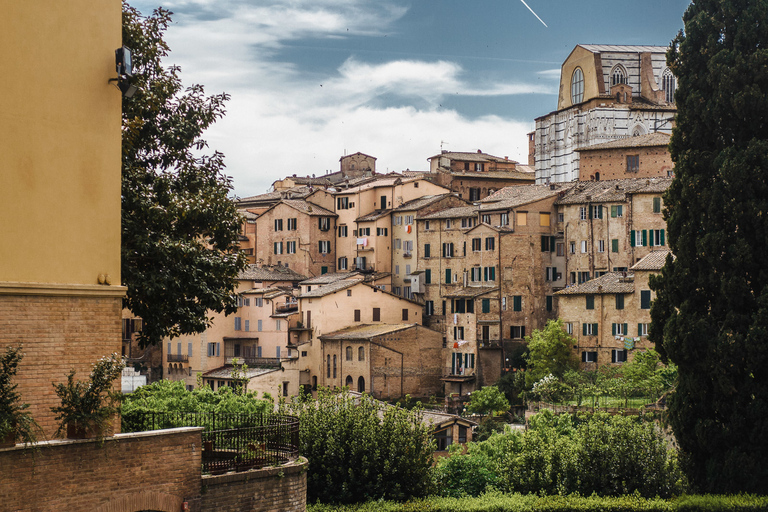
{"x": 618, "y": 75}
{"x": 348, "y": 381}
{"x": 577, "y": 86}
{"x": 668, "y": 85}
{"x": 361, "y": 385}
{"x": 334, "y": 367}
{"x": 361, "y": 354}
{"x": 597, "y": 176}
{"x": 314, "y": 382}
{"x": 349, "y": 353}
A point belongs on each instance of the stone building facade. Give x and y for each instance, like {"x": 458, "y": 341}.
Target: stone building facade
{"x": 643, "y": 156}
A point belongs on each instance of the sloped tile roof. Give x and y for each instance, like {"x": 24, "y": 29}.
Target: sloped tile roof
{"x": 270, "y": 273}
{"x": 374, "y": 215}
{"x": 330, "y": 288}
{"x": 468, "y": 156}
{"x": 655, "y": 260}
{"x": 621, "y": 48}
{"x": 612, "y": 282}
{"x": 331, "y": 277}
{"x": 495, "y": 175}
{"x": 308, "y": 208}
{"x": 421, "y": 202}
{"x": 365, "y": 331}
{"x": 612, "y": 190}
{"x": 639, "y": 141}
{"x": 452, "y": 213}
{"x": 512, "y": 197}
{"x": 470, "y": 292}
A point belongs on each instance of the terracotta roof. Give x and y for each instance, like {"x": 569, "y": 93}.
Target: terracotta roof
{"x": 421, "y": 202}
{"x": 468, "y": 156}
{"x": 330, "y": 288}
{"x": 494, "y": 175}
{"x": 374, "y": 215}
{"x": 470, "y": 291}
{"x": 248, "y": 215}
{"x": 612, "y": 190}
{"x": 655, "y": 260}
{"x": 308, "y": 208}
{"x": 225, "y": 372}
{"x": 365, "y": 331}
{"x": 262, "y": 291}
{"x": 640, "y": 141}
{"x": 511, "y": 197}
{"x": 292, "y": 193}
{"x": 357, "y": 153}
{"x": 331, "y": 277}
{"x": 620, "y": 48}
{"x": 612, "y": 282}
{"x": 452, "y": 213}
{"x": 270, "y": 273}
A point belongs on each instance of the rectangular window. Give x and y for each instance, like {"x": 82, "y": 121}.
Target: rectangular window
{"x": 489, "y": 274}
{"x": 429, "y": 307}
{"x": 486, "y": 305}
{"x": 617, "y": 210}
{"x": 324, "y": 223}
{"x": 477, "y": 244}
{"x": 549, "y": 302}
{"x": 278, "y": 248}
{"x": 458, "y": 333}
{"x": 448, "y": 278}
{"x": 560, "y": 246}
{"x": 601, "y": 246}
{"x": 589, "y": 357}
{"x": 551, "y": 274}
{"x": 408, "y": 270}
{"x": 426, "y": 225}
{"x": 409, "y": 219}
{"x": 448, "y": 224}
{"x": 517, "y": 303}
{"x": 258, "y": 302}
{"x": 381, "y": 231}
{"x": 633, "y": 163}
{"x": 398, "y": 243}
{"x": 589, "y": 329}
{"x": 343, "y": 264}
{"x": 522, "y": 218}
{"x": 656, "y": 237}
{"x": 343, "y": 230}
{"x": 596, "y": 212}
{"x": 474, "y": 194}
{"x": 645, "y": 299}
{"x": 398, "y": 220}
{"x": 618, "y": 356}
{"x": 291, "y": 247}
{"x": 292, "y": 224}
{"x": 504, "y": 219}
{"x": 569, "y": 327}
{"x": 583, "y": 247}
{"x": 376, "y": 315}
{"x": 342, "y": 203}
{"x": 656, "y": 205}
{"x": 642, "y": 329}
{"x": 259, "y": 325}
{"x": 247, "y": 325}
{"x": 582, "y": 213}
{"x": 619, "y": 329}
{"x": 324, "y": 246}
{"x": 615, "y": 245}
{"x": 397, "y": 270}
{"x": 572, "y": 247}
{"x": 476, "y": 274}
{"x": 428, "y": 276}
{"x": 278, "y": 325}
{"x": 448, "y": 250}
{"x": 427, "y": 251}
{"x": 278, "y": 224}
{"x": 583, "y": 277}
{"x": 238, "y": 324}
{"x": 544, "y": 218}
{"x": 619, "y": 301}
{"x": 405, "y": 314}
{"x": 517, "y": 332}
{"x": 547, "y": 243}
{"x": 590, "y": 302}
{"x": 486, "y": 218}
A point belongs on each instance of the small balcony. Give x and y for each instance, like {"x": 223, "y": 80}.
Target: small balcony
{"x": 488, "y": 343}
{"x": 177, "y": 358}
{"x": 458, "y": 374}
{"x": 286, "y": 306}
{"x": 407, "y": 255}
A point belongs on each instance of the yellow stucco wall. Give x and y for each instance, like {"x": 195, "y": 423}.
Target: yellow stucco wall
{"x": 59, "y": 142}
{"x": 579, "y": 58}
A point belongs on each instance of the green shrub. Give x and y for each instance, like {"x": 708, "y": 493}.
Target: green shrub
{"x": 360, "y": 448}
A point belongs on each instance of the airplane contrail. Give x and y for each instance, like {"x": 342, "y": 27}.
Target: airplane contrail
{"x": 537, "y": 16}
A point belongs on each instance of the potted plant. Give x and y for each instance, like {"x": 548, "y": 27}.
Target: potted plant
{"x": 16, "y": 423}
{"x": 87, "y": 407}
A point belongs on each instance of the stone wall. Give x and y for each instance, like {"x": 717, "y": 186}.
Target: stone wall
{"x": 157, "y": 470}
{"x": 276, "y": 488}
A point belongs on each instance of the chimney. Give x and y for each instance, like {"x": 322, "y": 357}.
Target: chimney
{"x": 479, "y": 151}
{"x": 506, "y": 158}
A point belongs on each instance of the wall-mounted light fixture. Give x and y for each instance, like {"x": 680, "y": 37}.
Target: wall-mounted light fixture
{"x": 124, "y": 68}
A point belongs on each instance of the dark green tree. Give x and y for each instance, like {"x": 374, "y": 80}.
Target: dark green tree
{"x": 711, "y": 313}
{"x": 180, "y": 257}
{"x": 549, "y": 352}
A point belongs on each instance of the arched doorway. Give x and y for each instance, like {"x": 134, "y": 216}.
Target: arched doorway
{"x": 361, "y": 384}
{"x": 348, "y": 381}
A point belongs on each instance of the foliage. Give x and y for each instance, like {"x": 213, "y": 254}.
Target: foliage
{"x": 498, "y": 502}
{"x": 14, "y": 417}
{"x": 457, "y": 476}
{"x": 587, "y": 453}
{"x": 92, "y": 403}
{"x": 488, "y": 400}
{"x": 549, "y": 352}
{"x": 488, "y": 426}
{"x": 360, "y": 448}
{"x": 172, "y": 396}
{"x": 711, "y": 312}
{"x": 512, "y": 384}
{"x": 180, "y": 256}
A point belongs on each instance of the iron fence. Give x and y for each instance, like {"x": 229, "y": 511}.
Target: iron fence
{"x": 231, "y": 442}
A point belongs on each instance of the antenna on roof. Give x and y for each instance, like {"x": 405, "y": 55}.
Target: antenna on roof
{"x": 441, "y": 145}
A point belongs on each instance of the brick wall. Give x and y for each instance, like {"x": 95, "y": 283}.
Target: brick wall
{"x": 261, "y": 490}
{"x": 611, "y": 164}
{"x": 129, "y": 472}
{"x": 59, "y": 333}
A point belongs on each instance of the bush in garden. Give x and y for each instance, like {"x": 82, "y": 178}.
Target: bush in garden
{"x": 360, "y": 448}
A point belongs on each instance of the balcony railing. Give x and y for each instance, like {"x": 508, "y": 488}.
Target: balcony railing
{"x": 287, "y": 306}
{"x": 459, "y": 372}
{"x": 488, "y": 343}
{"x": 257, "y": 362}
{"x": 231, "y": 442}
{"x": 177, "y": 358}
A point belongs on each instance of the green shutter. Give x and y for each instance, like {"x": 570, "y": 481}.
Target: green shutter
{"x": 615, "y": 245}
{"x": 428, "y": 276}
{"x": 662, "y": 237}
{"x": 590, "y": 211}
{"x": 486, "y": 305}
{"x": 626, "y": 329}
{"x": 594, "y": 329}
{"x": 517, "y": 302}
{"x": 549, "y": 303}
{"x": 584, "y": 329}
{"x": 632, "y": 238}
{"x": 599, "y": 212}
{"x": 613, "y": 211}
{"x": 613, "y": 329}
{"x": 551, "y": 244}
{"x": 447, "y": 276}
{"x": 639, "y": 329}
{"x": 493, "y": 273}
{"x": 645, "y": 237}
{"x": 543, "y": 243}
{"x": 426, "y": 251}
{"x": 656, "y": 205}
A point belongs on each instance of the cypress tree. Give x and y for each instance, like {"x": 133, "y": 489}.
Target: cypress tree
{"x": 711, "y": 313}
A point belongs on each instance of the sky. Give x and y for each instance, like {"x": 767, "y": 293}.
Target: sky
{"x": 313, "y": 80}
